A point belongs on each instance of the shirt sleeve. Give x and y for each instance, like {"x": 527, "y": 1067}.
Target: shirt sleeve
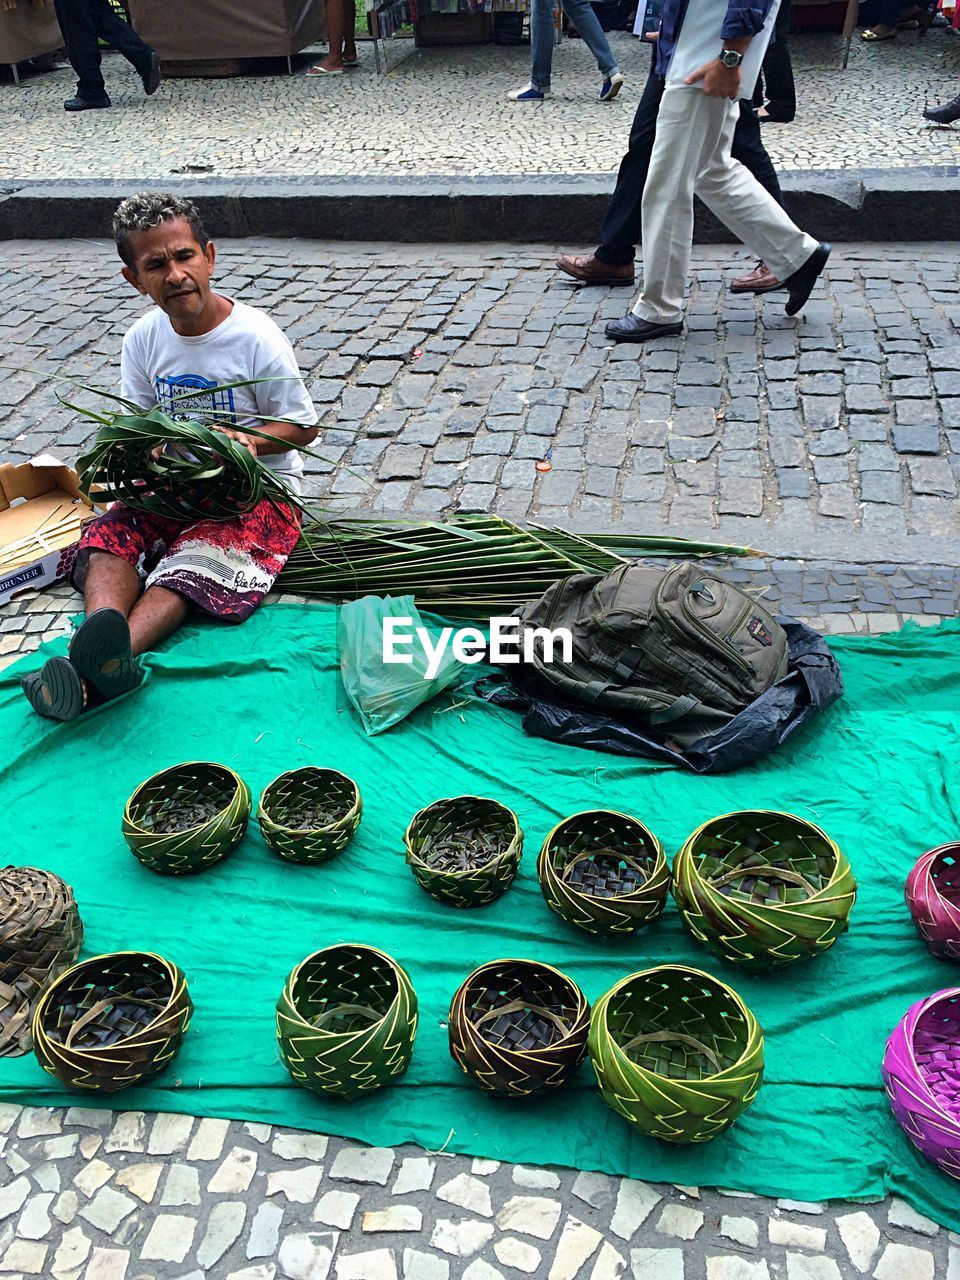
{"x": 135, "y": 382}
{"x": 745, "y": 19}
{"x": 284, "y": 397}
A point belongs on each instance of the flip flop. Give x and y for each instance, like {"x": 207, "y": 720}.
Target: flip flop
{"x": 56, "y": 691}
{"x": 351, "y": 63}
{"x": 871, "y": 36}
{"x": 100, "y": 652}
{"x": 319, "y": 70}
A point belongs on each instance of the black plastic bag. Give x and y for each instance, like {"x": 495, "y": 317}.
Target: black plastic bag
{"x": 812, "y": 682}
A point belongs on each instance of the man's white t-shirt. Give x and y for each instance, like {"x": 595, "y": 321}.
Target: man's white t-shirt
{"x": 157, "y": 366}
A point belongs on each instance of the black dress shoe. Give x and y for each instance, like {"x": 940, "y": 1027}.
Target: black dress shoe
{"x": 86, "y": 104}
{"x": 804, "y": 278}
{"x": 151, "y": 74}
{"x": 632, "y": 329}
{"x": 945, "y": 114}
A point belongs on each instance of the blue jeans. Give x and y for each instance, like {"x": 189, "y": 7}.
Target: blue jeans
{"x": 584, "y": 19}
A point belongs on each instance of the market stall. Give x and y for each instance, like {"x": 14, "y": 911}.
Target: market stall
{"x": 28, "y": 28}
{"x": 217, "y": 38}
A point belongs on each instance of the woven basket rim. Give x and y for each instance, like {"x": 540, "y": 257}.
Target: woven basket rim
{"x": 47, "y": 995}
{"x": 906, "y": 1027}
{"x": 686, "y": 854}
{"x": 239, "y": 785}
{"x": 398, "y": 972}
{"x": 453, "y": 876}
{"x": 546, "y": 862}
{"x": 752, "y": 1026}
{"x": 263, "y": 812}
{"x": 927, "y": 860}
{"x": 460, "y": 995}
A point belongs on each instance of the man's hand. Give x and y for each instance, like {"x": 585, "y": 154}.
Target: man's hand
{"x": 718, "y": 81}
{"x": 241, "y": 437}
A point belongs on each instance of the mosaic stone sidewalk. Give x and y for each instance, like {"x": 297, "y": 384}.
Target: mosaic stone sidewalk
{"x": 444, "y": 111}
{"x": 444, "y": 378}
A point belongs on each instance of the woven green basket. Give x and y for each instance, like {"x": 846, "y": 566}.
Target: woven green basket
{"x": 464, "y": 851}
{"x": 604, "y": 872}
{"x": 518, "y": 1027}
{"x": 676, "y": 1052}
{"x": 346, "y": 1021}
{"x": 763, "y": 889}
{"x": 111, "y": 1022}
{"x": 186, "y": 818}
{"x": 310, "y": 814}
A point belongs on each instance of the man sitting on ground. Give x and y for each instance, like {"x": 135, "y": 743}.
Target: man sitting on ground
{"x": 142, "y": 574}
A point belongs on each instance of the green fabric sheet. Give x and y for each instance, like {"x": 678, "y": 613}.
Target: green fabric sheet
{"x": 880, "y": 771}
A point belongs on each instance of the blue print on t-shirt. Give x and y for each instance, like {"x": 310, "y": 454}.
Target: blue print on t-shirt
{"x": 175, "y": 398}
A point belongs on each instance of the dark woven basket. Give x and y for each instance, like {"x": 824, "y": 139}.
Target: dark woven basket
{"x": 518, "y": 1027}
{"x": 921, "y": 1074}
{"x": 346, "y": 1021}
{"x": 464, "y": 851}
{"x": 111, "y": 1022}
{"x": 763, "y": 889}
{"x": 933, "y": 898}
{"x": 604, "y": 872}
{"x": 310, "y": 814}
{"x": 40, "y": 937}
{"x": 187, "y": 818}
{"x": 676, "y": 1052}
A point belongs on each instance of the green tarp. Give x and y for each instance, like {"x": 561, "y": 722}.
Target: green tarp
{"x": 880, "y": 772}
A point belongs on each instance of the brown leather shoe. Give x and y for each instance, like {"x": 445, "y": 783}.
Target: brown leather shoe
{"x": 760, "y": 280}
{"x": 590, "y": 270}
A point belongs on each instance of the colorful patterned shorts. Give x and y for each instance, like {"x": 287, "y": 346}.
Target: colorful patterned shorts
{"x": 223, "y": 567}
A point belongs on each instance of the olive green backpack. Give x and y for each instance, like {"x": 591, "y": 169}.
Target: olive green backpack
{"x": 683, "y": 650}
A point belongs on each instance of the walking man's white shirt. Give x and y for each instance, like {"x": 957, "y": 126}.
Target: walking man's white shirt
{"x": 691, "y": 155}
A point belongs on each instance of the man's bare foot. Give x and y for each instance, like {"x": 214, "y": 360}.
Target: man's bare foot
{"x": 331, "y": 65}
{"x": 879, "y": 32}
{"x": 350, "y": 58}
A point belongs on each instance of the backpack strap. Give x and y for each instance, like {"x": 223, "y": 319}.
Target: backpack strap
{"x": 681, "y": 707}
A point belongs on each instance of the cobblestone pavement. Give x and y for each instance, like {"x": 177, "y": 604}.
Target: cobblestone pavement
{"x": 443, "y": 112}
{"x": 511, "y": 366}
{"x": 125, "y": 1196}
{"x": 444, "y": 378}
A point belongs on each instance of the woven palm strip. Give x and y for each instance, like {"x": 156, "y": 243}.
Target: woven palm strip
{"x": 186, "y": 818}
{"x": 111, "y": 1022}
{"x": 464, "y": 851}
{"x": 763, "y": 889}
{"x": 346, "y": 1021}
{"x": 40, "y": 936}
{"x": 518, "y": 1027}
{"x": 933, "y": 897}
{"x": 604, "y": 872}
{"x": 676, "y": 1052}
{"x": 921, "y": 1074}
{"x": 309, "y": 814}
{"x": 200, "y": 474}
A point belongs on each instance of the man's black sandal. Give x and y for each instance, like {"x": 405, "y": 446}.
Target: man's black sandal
{"x": 56, "y": 691}
{"x": 100, "y": 652}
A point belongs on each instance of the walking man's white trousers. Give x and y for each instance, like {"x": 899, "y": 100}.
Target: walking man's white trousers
{"x": 691, "y": 155}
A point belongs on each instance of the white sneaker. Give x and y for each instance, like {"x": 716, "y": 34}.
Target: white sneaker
{"x": 610, "y": 88}
{"x": 530, "y": 94}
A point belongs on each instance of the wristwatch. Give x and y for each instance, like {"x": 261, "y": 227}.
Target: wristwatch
{"x": 730, "y": 58}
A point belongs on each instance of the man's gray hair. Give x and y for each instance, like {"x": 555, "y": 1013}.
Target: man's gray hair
{"x": 148, "y": 209}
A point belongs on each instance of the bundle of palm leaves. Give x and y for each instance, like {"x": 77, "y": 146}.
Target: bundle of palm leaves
{"x": 176, "y": 468}
{"x": 471, "y": 566}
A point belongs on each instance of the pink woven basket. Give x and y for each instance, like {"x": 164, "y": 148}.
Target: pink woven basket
{"x": 921, "y": 1074}
{"x": 933, "y": 896}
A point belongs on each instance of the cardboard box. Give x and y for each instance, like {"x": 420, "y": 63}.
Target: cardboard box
{"x": 42, "y": 512}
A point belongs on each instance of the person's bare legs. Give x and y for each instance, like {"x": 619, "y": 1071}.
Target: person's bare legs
{"x": 112, "y": 583}
{"x": 340, "y": 36}
{"x": 156, "y": 615}
{"x": 349, "y": 35}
